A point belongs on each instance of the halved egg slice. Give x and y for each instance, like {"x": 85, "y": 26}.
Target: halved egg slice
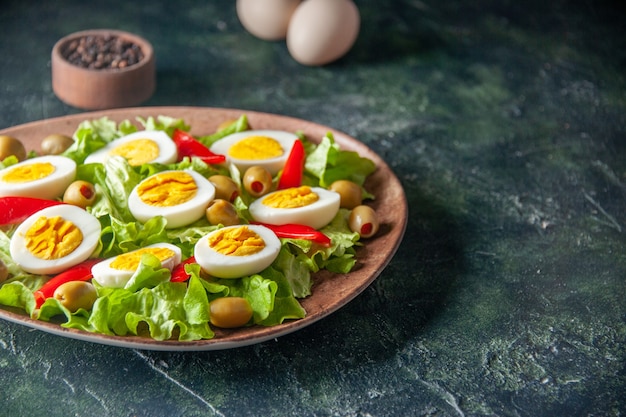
{"x": 182, "y": 197}
{"x": 267, "y": 148}
{"x": 311, "y": 206}
{"x": 116, "y": 271}
{"x": 55, "y": 239}
{"x": 142, "y": 147}
{"x": 237, "y": 251}
{"x": 42, "y": 177}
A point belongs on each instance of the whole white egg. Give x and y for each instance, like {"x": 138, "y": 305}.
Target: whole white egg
{"x": 322, "y": 31}
{"x": 212, "y": 257}
{"x": 181, "y": 197}
{"x": 42, "y": 177}
{"x": 116, "y": 271}
{"x": 293, "y": 206}
{"x": 55, "y": 239}
{"x": 266, "y": 19}
{"x": 142, "y": 147}
{"x": 267, "y": 148}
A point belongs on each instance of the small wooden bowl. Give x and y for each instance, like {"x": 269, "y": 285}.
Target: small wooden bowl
{"x": 105, "y": 88}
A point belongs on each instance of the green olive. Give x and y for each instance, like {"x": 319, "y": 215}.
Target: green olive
{"x": 230, "y": 312}
{"x": 11, "y": 146}
{"x": 257, "y": 181}
{"x": 4, "y": 271}
{"x": 363, "y": 220}
{"x": 74, "y": 295}
{"x": 80, "y": 193}
{"x": 222, "y": 212}
{"x": 350, "y": 193}
{"x": 55, "y": 144}
{"x": 225, "y": 187}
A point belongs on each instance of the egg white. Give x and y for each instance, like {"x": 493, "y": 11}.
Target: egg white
{"x": 107, "y": 276}
{"x": 316, "y": 215}
{"x": 86, "y": 222}
{"x": 230, "y": 266}
{"x": 49, "y": 187}
{"x": 273, "y": 165}
{"x": 168, "y": 153}
{"x": 180, "y": 214}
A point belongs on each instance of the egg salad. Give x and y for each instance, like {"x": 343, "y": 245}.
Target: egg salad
{"x": 159, "y": 234}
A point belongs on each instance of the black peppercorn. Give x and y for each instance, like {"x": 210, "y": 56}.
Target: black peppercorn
{"x": 102, "y": 52}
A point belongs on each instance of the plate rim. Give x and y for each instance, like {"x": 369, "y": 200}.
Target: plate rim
{"x": 233, "y": 339}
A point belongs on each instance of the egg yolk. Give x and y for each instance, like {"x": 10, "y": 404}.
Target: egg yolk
{"x": 29, "y": 172}
{"x": 237, "y": 241}
{"x": 256, "y": 148}
{"x": 130, "y": 261}
{"x": 52, "y": 238}
{"x": 168, "y": 189}
{"x": 137, "y": 152}
{"x": 291, "y": 198}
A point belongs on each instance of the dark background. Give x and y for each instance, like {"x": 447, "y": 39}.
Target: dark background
{"x": 504, "y": 121}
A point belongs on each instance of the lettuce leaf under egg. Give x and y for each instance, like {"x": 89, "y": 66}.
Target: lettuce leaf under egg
{"x": 92, "y": 135}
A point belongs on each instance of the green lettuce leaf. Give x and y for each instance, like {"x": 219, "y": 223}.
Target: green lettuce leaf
{"x": 339, "y": 257}
{"x": 8, "y": 161}
{"x": 328, "y": 163}
{"x": 165, "y": 310}
{"x": 286, "y": 306}
{"x": 92, "y": 135}
{"x": 238, "y": 125}
{"x": 149, "y": 274}
{"x": 125, "y": 237}
{"x": 16, "y": 294}
{"x": 296, "y": 273}
{"x": 165, "y": 123}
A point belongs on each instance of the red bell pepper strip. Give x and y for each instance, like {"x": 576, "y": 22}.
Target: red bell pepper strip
{"x": 80, "y": 272}
{"x": 179, "y": 274}
{"x": 294, "y": 167}
{"x": 14, "y": 209}
{"x": 189, "y": 146}
{"x": 298, "y": 231}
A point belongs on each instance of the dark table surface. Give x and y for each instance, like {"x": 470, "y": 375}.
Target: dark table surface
{"x": 505, "y": 121}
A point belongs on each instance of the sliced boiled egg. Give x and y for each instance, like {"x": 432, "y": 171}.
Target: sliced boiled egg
{"x": 42, "y": 177}
{"x": 237, "y": 251}
{"x": 267, "y": 148}
{"x": 116, "y": 271}
{"x": 55, "y": 239}
{"x": 311, "y": 206}
{"x": 138, "y": 148}
{"x": 181, "y": 196}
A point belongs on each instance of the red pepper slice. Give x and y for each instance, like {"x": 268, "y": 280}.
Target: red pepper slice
{"x": 298, "y": 231}
{"x": 179, "y": 274}
{"x": 14, "y": 209}
{"x": 189, "y": 146}
{"x": 294, "y": 167}
{"x": 79, "y": 272}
